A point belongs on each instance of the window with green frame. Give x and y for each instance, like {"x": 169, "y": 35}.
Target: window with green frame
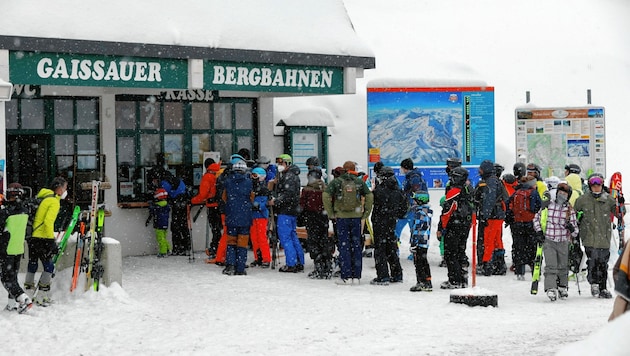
{"x": 68, "y": 127}
{"x": 148, "y": 128}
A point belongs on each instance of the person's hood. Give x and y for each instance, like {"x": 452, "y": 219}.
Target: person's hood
{"x": 487, "y": 168}
{"x": 45, "y": 192}
{"x": 214, "y": 167}
{"x": 294, "y": 169}
{"x": 317, "y": 184}
{"x": 574, "y": 181}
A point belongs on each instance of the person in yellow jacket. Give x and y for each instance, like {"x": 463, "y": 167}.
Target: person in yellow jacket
{"x": 42, "y": 246}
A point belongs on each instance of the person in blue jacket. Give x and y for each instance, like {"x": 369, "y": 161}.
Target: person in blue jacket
{"x": 238, "y": 196}
{"x": 159, "y": 212}
{"x": 179, "y": 199}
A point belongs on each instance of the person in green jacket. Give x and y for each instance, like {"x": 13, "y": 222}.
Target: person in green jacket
{"x": 353, "y": 202}
{"x": 13, "y": 220}
{"x": 42, "y": 246}
{"x": 594, "y": 210}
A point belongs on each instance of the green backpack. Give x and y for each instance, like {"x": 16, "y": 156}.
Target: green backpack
{"x": 348, "y": 197}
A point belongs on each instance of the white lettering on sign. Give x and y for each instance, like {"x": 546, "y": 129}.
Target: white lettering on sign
{"x": 192, "y": 94}
{"x": 267, "y": 77}
{"x": 99, "y": 70}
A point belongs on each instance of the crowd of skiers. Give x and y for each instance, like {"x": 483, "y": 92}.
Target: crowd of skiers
{"x": 247, "y": 199}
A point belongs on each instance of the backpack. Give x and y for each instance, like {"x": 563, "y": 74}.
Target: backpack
{"x": 520, "y": 205}
{"x": 465, "y": 204}
{"x": 32, "y": 205}
{"x": 348, "y": 196}
{"x": 400, "y": 203}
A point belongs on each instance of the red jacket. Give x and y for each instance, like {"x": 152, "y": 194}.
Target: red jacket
{"x": 208, "y": 187}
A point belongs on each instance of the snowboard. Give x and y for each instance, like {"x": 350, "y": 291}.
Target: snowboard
{"x": 617, "y": 194}
{"x": 537, "y": 266}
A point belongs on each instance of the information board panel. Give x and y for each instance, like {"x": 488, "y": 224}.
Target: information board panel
{"x": 430, "y": 125}
{"x": 554, "y": 137}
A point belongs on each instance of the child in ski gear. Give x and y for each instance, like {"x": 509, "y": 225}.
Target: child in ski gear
{"x": 490, "y": 195}
{"x": 286, "y": 205}
{"x": 42, "y": 246}
{"x": 456, "y": 217}
{"x": 13, "y": 220}
{"x": 522, "y": 208}
{"x": 260, "y": 216}
{"x": 353, "y": 203}
{"x": 159, "y": 210}
{"x": 414, "y": 182}
{"x": 622, "y": 284}
{"x": 387, "y": 196}
{"x": 451, "y": 163}
{"x": 238, "y": 197}
{"x": 419, "y": 241}
{"x": 208, "y": 195}
{"x": 555, "y": 227}
{"x": 594, "y": 210}
{"x": 320, "y": 246}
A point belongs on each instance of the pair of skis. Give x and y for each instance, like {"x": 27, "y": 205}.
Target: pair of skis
{"x": 617, "y": 194}
{"x": 272, "y": 236}
{"x": 92, "y": 265}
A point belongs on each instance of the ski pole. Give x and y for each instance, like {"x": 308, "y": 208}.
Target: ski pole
{"x": 197, "y": 214}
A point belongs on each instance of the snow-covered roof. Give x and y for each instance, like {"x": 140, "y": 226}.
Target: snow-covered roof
{"x": 318, "y": 27}
{"x": 314, "y": 116}
{"x": 423, "y": 83}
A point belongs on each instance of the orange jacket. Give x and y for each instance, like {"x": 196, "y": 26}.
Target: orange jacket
{"x": 208, "y": 187}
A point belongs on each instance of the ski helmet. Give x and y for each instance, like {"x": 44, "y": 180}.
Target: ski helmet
{"x": 421, "y": 197}
{"x": 459, "y": 175}
{"x": 509, "y": 178}
{"x": 595, "y": 179}
{"x": 15, "y": 190}
{"x": 498, "y": 169}
{"x": 452, "y": 163}
{"x": 564, "y": 187}
{"x": 312, "y": 161}
{"x": 552, "y": 182}
{"x": 519, "y": 169}
{"x": 285, "y": 158}
{"x": 534, "y": 168}
{"x": 160, "y": 194}
{"x": 259, "y": 172}
{"x": 573, "y": 168}
{"x": 386, "y": 171}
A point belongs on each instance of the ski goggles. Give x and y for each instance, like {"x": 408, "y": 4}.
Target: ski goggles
{"x": 595, "y": 181}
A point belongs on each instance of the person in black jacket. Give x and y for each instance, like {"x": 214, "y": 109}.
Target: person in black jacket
{"x": 286, "y": 204}
{"x": 384, "y": 224}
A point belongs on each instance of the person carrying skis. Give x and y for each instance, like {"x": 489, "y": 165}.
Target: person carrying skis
{"x": 491, "y": 206}
{"x": 387, "y": 201}
{"x": 238, "y": 197}
{"x": 159, "y": 212}
{"x": 260, "y": 216}
{"x": 208, "y": 195}
{"x": 320, "y": 246}
{"x": 353, "y": 203}
{"x": 555, "y": 227}
{"x": 621, "y": 276}
{"x": 594, "y": 210}
{"x": 42, "y": 246}
{"x": 13, "y": 220}
{"x": 456, "y": 217}
{"x": 522, "y": 208}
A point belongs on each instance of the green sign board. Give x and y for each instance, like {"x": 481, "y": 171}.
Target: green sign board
{"x": 37, "y": 68}
{"x": 272, "y": 78}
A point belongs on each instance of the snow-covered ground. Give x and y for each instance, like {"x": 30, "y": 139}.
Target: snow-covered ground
{"x": 170, "y": 306}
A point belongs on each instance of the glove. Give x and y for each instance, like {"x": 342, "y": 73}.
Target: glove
{"x": 539, "y": 237}
{"x": 438, "y": 234}
{"x": 621, "y": 199}
{"x": 569, "y": 227}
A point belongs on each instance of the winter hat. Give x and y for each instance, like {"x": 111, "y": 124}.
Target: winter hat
{"x": 235, "y": 158}
{"x": 407, "y": 164}
{"x": 208, "y": 162}
{"x": 239, "y": 166}
{"x": 377, "y": 167}
{"x": 552, "y": 182}
{"x": 386, "y": 171}
{"x": 421, "y": 197}
{"x": 160, "y": 194}
{"x": 349, "y": 166}
{"x": 486, "y": 167}
{"x": 259, "y": 172}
